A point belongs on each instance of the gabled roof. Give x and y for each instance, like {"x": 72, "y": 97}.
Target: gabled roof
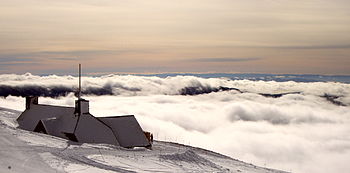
{"x": 30, "y": 117}
{"x": 127, "y": 130}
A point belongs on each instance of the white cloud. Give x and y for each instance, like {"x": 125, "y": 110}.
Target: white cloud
{"x": 298, "y": 132}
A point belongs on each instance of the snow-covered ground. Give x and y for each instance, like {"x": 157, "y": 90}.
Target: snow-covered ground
{"x": 24, "y": 151}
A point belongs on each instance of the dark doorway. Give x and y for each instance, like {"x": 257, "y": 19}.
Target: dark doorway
{"x": 40, "y": 128}
{"x": 71, "y": 137}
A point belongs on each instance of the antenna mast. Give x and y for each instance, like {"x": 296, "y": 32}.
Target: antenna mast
{"x": 79, "y": 94}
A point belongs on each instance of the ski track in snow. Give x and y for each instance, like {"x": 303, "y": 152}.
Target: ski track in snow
{"x": 24, "y": 151}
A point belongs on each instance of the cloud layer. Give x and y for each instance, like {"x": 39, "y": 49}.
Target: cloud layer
{"x": 300, "y": 131}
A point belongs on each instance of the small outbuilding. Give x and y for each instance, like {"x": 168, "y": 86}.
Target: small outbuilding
{"x": 77, "y": 124}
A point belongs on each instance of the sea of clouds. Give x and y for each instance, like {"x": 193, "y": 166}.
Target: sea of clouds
{"x": 293, "y": 126}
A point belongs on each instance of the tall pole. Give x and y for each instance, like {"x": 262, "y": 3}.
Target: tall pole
{"x": 79, "y": 94}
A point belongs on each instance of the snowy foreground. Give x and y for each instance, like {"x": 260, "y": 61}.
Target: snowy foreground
{"x": 24, "y": 151}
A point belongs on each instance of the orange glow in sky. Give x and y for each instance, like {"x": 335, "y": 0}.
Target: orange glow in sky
{"x": 157, "y": 36}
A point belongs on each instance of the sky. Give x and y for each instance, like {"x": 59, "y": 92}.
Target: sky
{"x": 159, "y": 36}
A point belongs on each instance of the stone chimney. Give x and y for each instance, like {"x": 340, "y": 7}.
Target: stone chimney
{"x": 81, "y": 106}
{"x": 30, "y": 100}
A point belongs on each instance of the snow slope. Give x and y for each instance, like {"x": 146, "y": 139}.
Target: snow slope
{"x": 24, "y": 151}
